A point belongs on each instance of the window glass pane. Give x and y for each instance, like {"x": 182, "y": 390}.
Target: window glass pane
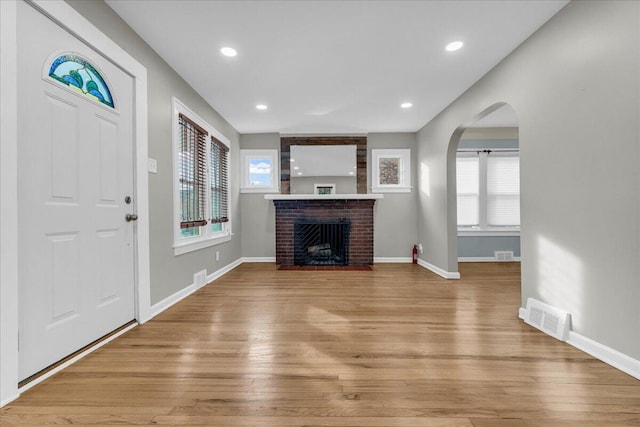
{"x": 468, "y": 187}
{"x": 260, "y": 172}
{"x": 503, "y": 191}
{"x": 190, "y": 232}
{"x": 216, "y": 227}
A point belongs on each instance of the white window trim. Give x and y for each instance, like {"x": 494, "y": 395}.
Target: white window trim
{"x": 483, "y": 229}
{"x": 245, "y": 157}
{"x": 207, "y": 238}
{"x": 317, "y": 186}
{"x": 404, "y": 186}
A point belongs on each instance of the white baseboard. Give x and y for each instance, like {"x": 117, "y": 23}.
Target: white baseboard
{"x": 438, "y": 270}
{"x": 611, "y": 357}
{"x": 185, "y": 292}
{"x": 626, "y": 364}
{"x": 259, "y": 259}
{"x": 73, "y": 360}
{"x": 9, "y": 400}
{"x": 382, "y": 259}
{"x": 484, "y": 259}
{"x": 224, "y": 270}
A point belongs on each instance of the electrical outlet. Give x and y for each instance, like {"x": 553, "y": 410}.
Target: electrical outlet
{"x": 217, "y": 255}
{"x": 420, "y": 249}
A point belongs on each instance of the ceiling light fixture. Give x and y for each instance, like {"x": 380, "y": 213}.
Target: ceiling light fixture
{"x": 261, "y": 107}
{"x": 299, "y": 173}
{"x": 453, "y": 46}
{"x": 406, "y": 105}
{"x": 228, "y": 51}
{"x": 295, "y": 168}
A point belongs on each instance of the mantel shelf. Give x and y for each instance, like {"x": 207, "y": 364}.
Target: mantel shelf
{"x": 323, "y": 196}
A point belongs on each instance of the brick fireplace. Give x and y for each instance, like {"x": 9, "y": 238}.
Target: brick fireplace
{"x": 357, "y": 210}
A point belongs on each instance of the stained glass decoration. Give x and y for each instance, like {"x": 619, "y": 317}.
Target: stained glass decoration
{"x": 79, "y": 75}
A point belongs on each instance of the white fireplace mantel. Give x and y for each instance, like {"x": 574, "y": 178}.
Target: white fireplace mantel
{"x": 323, "y": 196}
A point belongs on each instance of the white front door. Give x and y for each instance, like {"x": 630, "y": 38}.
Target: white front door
{"x": 75, "y": 169}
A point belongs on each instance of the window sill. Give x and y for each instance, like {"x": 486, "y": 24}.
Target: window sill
{"x": 259, "y": 190}
{"x": 495, "y": 232}
{"x": 186, "y": 247}
{"x": 391, "y": 189}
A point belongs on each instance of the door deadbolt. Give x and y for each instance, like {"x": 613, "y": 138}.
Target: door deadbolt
{"x": 127, "y": 200}
{"x": 130, "y": 217}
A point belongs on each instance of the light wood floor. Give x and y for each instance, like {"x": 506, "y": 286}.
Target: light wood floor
{"x": 397, "y": 346}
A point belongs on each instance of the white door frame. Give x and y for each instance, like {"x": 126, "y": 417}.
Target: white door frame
{"x": 68, "y": 18}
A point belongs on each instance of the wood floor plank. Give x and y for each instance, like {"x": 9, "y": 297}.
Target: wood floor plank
{"x": 396, "y": 346}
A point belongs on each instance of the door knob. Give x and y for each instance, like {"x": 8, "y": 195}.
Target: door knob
{"x": 130, "y": 217}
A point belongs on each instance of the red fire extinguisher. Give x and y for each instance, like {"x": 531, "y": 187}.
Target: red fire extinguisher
{"x": 415, "y": 254}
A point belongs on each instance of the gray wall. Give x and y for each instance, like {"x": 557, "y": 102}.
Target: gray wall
{"x": 257, "y": 214}
{"x": 169, "y": 273}
{"x": 395, "y": 215}
{"x": 574, "y": 86}
{"x": 485, "y": 246}
{"x": 304, "y": 185}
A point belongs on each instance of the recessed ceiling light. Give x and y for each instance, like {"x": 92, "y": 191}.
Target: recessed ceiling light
{"x": 453, "y": 46}
{"x": 228, "y": 51}
{"x": 292, "y": 160}
{"x": 299, "y": 173}
{"x": 261, "y": 107}
{"x": 351, "y": 173}
{"x": 295, "y": 168}
{"x": 406, "y": 105}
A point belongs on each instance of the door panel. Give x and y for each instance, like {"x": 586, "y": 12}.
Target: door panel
{"x": 75, "y": 166}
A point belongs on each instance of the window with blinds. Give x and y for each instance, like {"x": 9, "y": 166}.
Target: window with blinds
{"x": 488, "y": 189}
{"x": 468, "y": 189}
{"x": 192, "y": 171}
{"x": 503, "y": 190}
{"x": 201, "y": 182}
{"x": 219, "y": 188}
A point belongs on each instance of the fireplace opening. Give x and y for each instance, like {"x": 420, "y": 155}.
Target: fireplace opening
{"x": 321, "y": 242}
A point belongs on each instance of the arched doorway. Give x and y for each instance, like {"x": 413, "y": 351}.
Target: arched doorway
{"x": 483, "y": 158}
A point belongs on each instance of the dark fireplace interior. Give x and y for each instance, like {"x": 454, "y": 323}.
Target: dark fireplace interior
{"x": 321, "y": 242}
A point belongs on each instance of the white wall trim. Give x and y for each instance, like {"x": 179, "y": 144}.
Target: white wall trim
{"x": 171, "y": 300}
{"x": 438, "y": 270}
{"x": 382, "y": 259}
{"x": 9, "y": 319}
{"x": 484, "y": 259}
{"x": 224, "y": 270}
{"x": 63, "y": 14}
{"x": 614, "y": 358}
{"x": 75, "y": 359}
{"x": 259, "y": 259}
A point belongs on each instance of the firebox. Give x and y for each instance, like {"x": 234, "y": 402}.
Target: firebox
{"x": 321, "y": 242}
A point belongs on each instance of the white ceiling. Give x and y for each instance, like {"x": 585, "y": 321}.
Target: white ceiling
{"x": 333, "y": 66}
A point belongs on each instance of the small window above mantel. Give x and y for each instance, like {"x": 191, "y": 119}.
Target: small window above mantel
{"x": 391, "y": 171}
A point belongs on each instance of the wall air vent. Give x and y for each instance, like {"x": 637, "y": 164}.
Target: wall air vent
{"x": 548, "y": 319}
{"x": 504, "y": 255}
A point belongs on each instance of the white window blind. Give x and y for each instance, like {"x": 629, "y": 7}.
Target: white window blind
{"x": 503, "y": 190}
{"x": 468, "y": 189}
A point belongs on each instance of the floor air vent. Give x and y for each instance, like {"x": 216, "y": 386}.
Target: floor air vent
{"x": 548, "y": 319}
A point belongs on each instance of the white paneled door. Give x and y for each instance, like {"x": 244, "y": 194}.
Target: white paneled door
{"x": 75, "y": 161}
